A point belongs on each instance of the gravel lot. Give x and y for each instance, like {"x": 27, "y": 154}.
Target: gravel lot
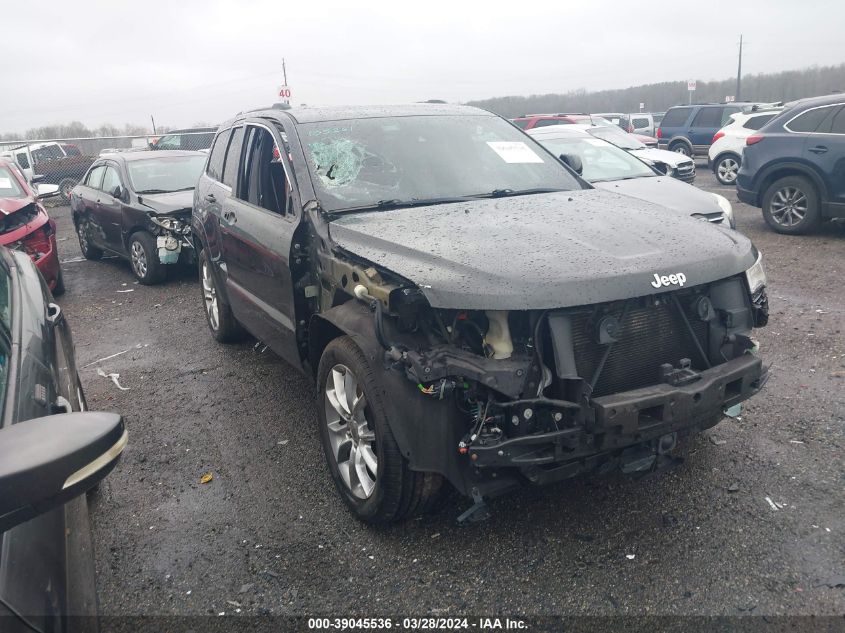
{"x": 269, "y": 535}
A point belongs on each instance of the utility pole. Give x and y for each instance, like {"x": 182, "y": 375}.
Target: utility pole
{"x": 739, "y": 73}
{"x": 284, "y": 71}
{"x": 154, "y": 124}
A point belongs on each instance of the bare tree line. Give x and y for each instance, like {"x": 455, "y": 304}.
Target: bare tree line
{"x": 783, "y": 86}
{"x": 76, "y": 129}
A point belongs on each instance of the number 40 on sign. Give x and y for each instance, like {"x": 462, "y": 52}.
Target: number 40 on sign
{"x": 284, "y": 92}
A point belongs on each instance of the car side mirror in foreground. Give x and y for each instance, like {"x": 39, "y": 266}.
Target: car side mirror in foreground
{"x": 574, "y": 161}
{"x": 46, "y": 462}
{"x": 36, "y": 178}
{"x": 118, "y": 192}
{"x": 46, "y": 191}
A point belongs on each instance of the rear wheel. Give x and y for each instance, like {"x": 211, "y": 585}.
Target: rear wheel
{"x": 681, "y": 148}
{"x": 143, "y": 258}
{"x": 83, "y": 231}
{"x": 222, "y": 323}
{"x": 726, "y": 168}
{"x": 791, "y": 205}
{"x": 368, "y": 469}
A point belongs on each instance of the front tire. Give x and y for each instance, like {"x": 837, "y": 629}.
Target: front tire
{"x": 143, "y": 259}
{"x": 791, "y": 205}
{"x": 221, "y": 322}
{"x": 726, "y": 169}
{"x": 368, "y": 469}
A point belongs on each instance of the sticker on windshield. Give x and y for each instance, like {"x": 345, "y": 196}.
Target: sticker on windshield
{"x": 514, "y": 152}
{"x": 5, "y": 183}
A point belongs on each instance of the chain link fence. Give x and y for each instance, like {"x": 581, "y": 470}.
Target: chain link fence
{"x": 64, "y": 161}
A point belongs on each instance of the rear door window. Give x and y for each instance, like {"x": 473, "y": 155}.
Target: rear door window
{"x": 233, "y": 158}
{"x": 95, "y": 177}
{"x": 808, "y": 121}
{"x": 756, "y": 122}
{"x": 218, "y": 155}
{"x": 640, "y": 123}
{"x": 676, "y": 117}
{"x": 708, "y": 117}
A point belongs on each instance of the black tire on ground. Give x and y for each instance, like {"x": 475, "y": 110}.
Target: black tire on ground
{"x": 223, "y": 325}
{"x": 399, "y": 493}
{"x": 65, "y": 186}
{"x": 59, "y": 290}
{"x": 681, "y": 147}
{"x": 726, "y": 167}
{"x": 791, "y": 205}
{"x": 143, "y": 259}
{"x": 83, "y": 232}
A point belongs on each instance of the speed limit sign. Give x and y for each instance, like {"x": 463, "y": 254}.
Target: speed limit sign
{"x": 284, "y": 92}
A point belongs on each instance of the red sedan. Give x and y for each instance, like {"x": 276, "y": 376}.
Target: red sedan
{"x": 25, "y": 225}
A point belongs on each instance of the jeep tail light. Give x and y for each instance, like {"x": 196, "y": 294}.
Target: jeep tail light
{"x": 659, "y": 133}
{"x": 754, "y": 139}
{"x": 717, "y": 136}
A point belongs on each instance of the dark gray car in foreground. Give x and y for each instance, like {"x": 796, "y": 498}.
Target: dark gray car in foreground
{"x": 473, "y": 312}
{"x": 51, "y": 452}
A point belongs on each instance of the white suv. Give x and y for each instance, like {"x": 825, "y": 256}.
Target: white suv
{"x": 725, "y": 154}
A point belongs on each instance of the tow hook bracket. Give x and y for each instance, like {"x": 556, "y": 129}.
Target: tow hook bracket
{"x": 683, "y": 375}
{"x": 477, "y": 512}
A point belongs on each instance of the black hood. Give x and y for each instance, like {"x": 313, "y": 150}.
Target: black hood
{"x": 168, "y": 203}
{"x": 667, "y": 191}
{"x": 542, "y": 251}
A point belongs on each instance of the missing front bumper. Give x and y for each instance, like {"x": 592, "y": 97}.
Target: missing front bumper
{"x": 630, "y": 418}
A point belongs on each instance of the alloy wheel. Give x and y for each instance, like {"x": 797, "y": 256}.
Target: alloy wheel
{"x": 209, "y": 294}
{"x": 727, "y": 170}
{"x": 138, "y": 258}
{"x": 352, "y": 439}
{"x": 789, "y": 206}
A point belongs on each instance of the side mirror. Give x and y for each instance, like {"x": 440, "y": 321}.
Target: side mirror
{"x": 118, "y": 192}
{"x": 574, "y": 161}
{"x": 46, "y": 191}
{"x": 46, "y": 462}
{"x": 36, "y": 178}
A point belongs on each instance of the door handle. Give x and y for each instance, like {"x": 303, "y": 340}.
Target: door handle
{"x": 818, "y": 149}
{"x": 210, "y": 197}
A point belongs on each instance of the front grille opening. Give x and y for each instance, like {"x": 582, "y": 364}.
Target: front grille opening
{"x": 650, "y": 335}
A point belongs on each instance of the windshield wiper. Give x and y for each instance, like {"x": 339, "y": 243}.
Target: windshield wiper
{"x": 396, "y": 203}
{"x": 504, "y": 193}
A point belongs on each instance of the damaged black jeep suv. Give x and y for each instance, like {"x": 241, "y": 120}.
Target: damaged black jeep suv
{"x": 472, "y": 311}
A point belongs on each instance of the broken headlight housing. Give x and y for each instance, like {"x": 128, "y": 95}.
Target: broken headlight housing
{"x": 756, "y": 275}
{"x": 172, "y": 224}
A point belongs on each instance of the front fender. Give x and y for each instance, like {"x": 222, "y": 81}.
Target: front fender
{"x": 427, "y": 430}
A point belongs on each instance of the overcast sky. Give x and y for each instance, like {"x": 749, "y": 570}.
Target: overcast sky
{"x": 186, "y": 61}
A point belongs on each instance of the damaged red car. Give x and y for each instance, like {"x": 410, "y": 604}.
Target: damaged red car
{"x": 25, "y": 225}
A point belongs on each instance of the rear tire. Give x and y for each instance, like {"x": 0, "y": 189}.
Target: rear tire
{"x": 221, "y": 322}
{"x": 791, "y": 205}
{"x": 726, "y": 168}
{"x": 83, "y": 231}
{"x": 681, "y": 147}
{"x": 143, "y": 259}
{"x": 368, "y": 469}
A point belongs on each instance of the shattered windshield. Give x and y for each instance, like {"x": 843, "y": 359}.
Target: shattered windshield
{"x": 362, "y": 162}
